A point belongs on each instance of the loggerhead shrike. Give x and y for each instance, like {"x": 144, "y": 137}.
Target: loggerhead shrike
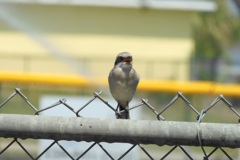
{"x": 123, "y": 81}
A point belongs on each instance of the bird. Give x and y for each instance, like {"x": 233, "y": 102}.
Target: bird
{"x": 123, "y": 81}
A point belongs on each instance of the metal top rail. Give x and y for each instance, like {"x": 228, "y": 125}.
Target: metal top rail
{"x": 116, "y": 130}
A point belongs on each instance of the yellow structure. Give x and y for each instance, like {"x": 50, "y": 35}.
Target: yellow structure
{"x": 56, "y": 38}
{"x": 208, "y": 88}
{"x": 71, "y": 44}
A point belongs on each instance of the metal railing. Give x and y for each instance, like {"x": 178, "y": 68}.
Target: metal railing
{"x": 87, "y": 65}
{"x": 211, "y": 138}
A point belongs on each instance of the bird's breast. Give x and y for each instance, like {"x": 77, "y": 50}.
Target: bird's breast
{"x": 123, "y": 84}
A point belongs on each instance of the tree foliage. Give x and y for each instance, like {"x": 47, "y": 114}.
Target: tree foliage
{"x": 213, "y": 33}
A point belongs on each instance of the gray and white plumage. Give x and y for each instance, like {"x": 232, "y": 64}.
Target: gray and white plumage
{"x": 123, "y": 81}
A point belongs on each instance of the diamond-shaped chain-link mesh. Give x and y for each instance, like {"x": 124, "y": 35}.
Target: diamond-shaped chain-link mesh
{"x": 146, "y": 151}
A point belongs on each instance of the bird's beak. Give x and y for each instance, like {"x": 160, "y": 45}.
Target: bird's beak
{"x": 127, "y": 60}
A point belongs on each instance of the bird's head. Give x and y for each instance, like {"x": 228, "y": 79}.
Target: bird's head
{"x": 123, "y": 59}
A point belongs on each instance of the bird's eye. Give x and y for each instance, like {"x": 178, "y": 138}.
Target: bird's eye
{"x": 121, "y": 59}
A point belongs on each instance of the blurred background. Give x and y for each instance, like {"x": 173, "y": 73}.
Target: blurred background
{"x": 60, "y": 47}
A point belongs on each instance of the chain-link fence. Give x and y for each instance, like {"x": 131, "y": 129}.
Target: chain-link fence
{"x": 132, "y": 139}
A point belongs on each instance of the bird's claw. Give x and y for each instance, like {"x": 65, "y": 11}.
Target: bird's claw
{"x": 118, "y": 115}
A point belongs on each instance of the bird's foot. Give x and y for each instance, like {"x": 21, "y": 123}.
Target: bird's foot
{"x": 118, "y": 115}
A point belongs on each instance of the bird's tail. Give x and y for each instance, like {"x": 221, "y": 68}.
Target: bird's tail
{"x": 123, "y": 112}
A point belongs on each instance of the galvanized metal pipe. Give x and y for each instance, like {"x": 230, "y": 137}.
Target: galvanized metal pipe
{"x": 116, "y": 130}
